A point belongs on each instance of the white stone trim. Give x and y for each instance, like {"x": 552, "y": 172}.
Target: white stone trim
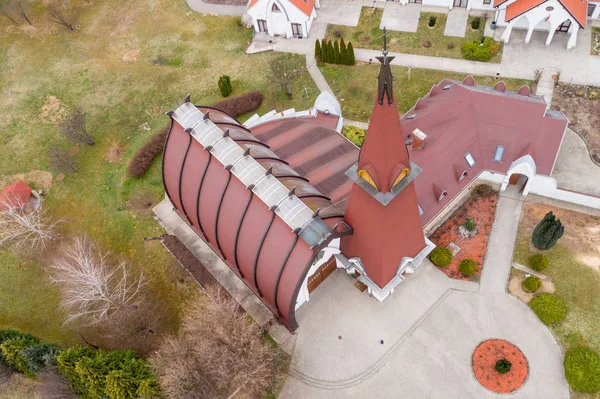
{"x": 525, "y": 166}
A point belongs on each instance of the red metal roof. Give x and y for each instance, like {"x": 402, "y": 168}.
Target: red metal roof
{"x": 14, "y": 194}
{"x": 305, "y": 6}
{"x": 256, "y": 243}
{"x": 577, "y": 8}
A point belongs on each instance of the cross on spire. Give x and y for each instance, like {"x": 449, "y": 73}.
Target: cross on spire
{"x": 385, "y": 73}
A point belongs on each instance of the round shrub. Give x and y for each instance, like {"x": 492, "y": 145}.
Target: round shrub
{"x": 441, "y": 256}
{"x": 549, "y": 308}
{"x": 470, "y": 224}
{"x": 475, "y": 23}
{"x": 538, "y": 262}
{"x": 475, "y": 52}
{"x": 355, "y": 134}
{"x": 467, "y": 267}
{"x": 450, "y": 46}
{"x": 532, "y": 284}
{"x": 582, "y": 369}
{"x": 432, "y": 21}
{"x": 503, "y": 366}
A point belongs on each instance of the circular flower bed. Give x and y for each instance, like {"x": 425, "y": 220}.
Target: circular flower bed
{"x": 486, "y": 358}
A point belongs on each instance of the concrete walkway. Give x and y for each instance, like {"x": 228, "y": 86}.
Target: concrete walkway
{"x": 546, "y": 83}
{"x": 574, "y": 169}
{"x": 217, "y": 9}
{"x": 315, "y": 73}
{"x": 498, "y": 259}
{"x": 456, "y": 24}
{"x": 402, "y": 18}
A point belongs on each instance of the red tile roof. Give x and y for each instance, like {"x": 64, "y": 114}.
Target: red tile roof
{"x": 305, "y": 6}
{"x": 577, "y": 8}
{"x": 15, "y": 194}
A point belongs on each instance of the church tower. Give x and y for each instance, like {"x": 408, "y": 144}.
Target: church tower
{"x": 383, "y": 208}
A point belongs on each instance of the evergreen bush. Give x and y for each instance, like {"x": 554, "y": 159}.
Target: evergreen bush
{"x": 532, "y": 284}
{"x": 582, "y": 369}
{"x": 547, "y": 232}
{"x": 441, "y": 256}
{"x": 351, "y": 59}
{"x": 474, "y": 51}
{"x": 343, "y": 53}
{"x": 538, "y": 262}
{"x": 549, "y": 308}
{"x": 324, "y": 51}
{"x": 432, "y": 21}
{"x": 503, "y": 366}
{"x": 317, "y": 50}
{"x": 336, "y": 52}
{"x": 470, "y": 224}
{"x": 225, "y": 85}
{"x": 475, "y": 23}
{"x": 5, "y": 335}
{"x": 467, "y": 267}
{"x": 39, "y": 356}
{"x": 354, "y": 134}
{"x": 12, "y": 351}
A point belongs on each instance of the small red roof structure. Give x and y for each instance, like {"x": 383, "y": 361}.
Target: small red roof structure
{"x": 14, "y": 194}
{"x": 305, "y": 6}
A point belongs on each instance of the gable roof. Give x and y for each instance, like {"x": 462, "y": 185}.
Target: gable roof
{"x": 576, "y": 8}
{"x": 15, "y": 194}
{"x": 306, "y": 6}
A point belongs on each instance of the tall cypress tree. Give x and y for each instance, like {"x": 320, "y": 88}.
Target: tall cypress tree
{"x": 330, "y": 55}
{"x": 336, "y": 53}
{"x": 317, "y": 50}
{"x": 343, "y": 53}
{"x": 324, "y": 51}
{"x": 547, "y": 232}
{"x": 351, "y": 59}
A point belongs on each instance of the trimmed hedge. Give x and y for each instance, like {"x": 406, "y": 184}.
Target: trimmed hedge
{"x": 142, "y": 159}
{"x": 549, "y": 308}
{"x": 441, "y": 256}
{"x": 474, "y": 51}
{"x": 582, "y": 369}
{"x": 239, "y": 105}
{"x": 538, "y": 262}
{"x": 467, "y": 267}
{"x": 532, "y": 284}
{"x": 354, "y": 134}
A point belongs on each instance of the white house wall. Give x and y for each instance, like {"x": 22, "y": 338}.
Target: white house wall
{"x": 596, "y": 14}
{"x": 280, "y": 23}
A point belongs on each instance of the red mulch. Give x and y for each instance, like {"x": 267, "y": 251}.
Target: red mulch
{"x": 484, "y": 361}
{"x": 482, "y": 209}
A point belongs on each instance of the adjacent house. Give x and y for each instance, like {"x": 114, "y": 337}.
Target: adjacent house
{"x": 283, "y": 18}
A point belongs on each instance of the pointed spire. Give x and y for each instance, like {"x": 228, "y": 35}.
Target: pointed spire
{"x": 385, "y": 73}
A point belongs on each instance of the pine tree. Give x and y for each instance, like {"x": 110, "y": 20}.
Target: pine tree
{"x": 343, "y": 53}
{"x": 317, "y": 50}
{"x": 351, "y": 59}
{"x": 336, "y": 53}
{"x": 324, "y": 51}
{"x": 330, "y": 55}
{"x": 547, "y": 232}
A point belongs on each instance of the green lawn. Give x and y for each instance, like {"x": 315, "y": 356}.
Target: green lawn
{"x": 577, "y": 283}
{"x": 356, "y": 86}
{"x": 178, "y": 52}
{"x": 425, "y": 41}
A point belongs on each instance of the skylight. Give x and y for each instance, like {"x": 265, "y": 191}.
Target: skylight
{"x": 499, "y": 153}
{"x": 470, "y": 160}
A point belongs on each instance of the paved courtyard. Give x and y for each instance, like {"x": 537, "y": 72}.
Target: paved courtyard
{"x": 429, "y": 327}
{"x": 457, "y": 22}
{"x": 401, "y": 18}
{"x": 574, "y": 168}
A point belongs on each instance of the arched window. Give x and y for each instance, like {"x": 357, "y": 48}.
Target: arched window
{"x": 275, "y": 8}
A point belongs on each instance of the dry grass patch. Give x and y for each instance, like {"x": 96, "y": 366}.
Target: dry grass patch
{"x": 114, "y": 152}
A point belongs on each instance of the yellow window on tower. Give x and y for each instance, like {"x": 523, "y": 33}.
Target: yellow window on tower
{"x": 401, "y": 176}
{"x": 363, "y": 174}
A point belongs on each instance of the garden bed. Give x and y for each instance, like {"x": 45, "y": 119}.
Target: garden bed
{"x": 482, "y": 210}
{"x": 595, "y": 45}
{"x": 484, "y": 361}
{"x": 425, "y": 41}
{"x": 583, "y": 110}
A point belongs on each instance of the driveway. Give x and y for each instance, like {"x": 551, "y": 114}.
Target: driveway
{"x": 574, "y": 169}
{"x": 456, "y": 24}
{"x": 335, "y": 12}
{"x": 429, "y": 327}
{"x": 402, "y": 18}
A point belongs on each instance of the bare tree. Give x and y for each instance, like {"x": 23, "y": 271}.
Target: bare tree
{"x": 21, "y": 7}
{"x": 73, "y": 127}
{"x": 60, "y": 160}
{"x": 24, "y": 228}
{"x": 7, "y": 12}
{"x": 217, "y": 353}
{"x": 283, "y": 73}
{"x": 64, "y": 14}
{"x": 94, "y": 290}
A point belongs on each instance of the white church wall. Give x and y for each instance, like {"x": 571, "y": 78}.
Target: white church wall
{"x": 279, "y": 23}
{"x": 596, "y": 12}
{"x": 547, "y": 187}
{"x": 480, "y": 5}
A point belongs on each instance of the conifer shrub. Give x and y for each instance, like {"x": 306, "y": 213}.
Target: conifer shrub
{"x": 225, "y": 85}
{"x": 5, "y": 335}
{"x": 351, "y": 59}
{"x": 432, "y": 21}
{"x": 538, "y": 262}
{"x": 142, "y": 159}
{"x": 475, "y": 23}
{"x": 503, "y": 366}
{"x": 549, "y": 308}
{"x": 12, "y": 351}
{"x": 40, "y": 356}
{"x": 467, "y": 267}
{"x": 324, "y": 51}
{"x": 242, "y": 104}
{"x": 355, "y": 134}
{"x": 317, "y": 50}
{"x": 548, "y": 231}
{"x": 441, "y": 256}
{"x": 532, "y": 284}
{"x": 343, "y": 53}
{"x": 330, "y": 52}
{"x": 470, "y": 224}
{"x": 582, "y": 369}
{"x": 336, "y": 52}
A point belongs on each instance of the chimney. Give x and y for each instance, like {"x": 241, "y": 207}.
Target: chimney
{"x": 418, "y": 139}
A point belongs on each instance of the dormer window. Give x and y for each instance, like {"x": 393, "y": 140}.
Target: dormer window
{"x": 275, "y": 8}
{"x": 470, "y": 160}
{"x": 462, "y": 175}
{"x": 421, "y": 211}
